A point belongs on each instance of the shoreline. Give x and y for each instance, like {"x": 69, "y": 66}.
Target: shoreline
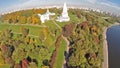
{"x": 105, "y": 63}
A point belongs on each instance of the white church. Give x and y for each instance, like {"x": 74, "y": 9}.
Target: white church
{"x": 45, "y": 16}
{"x": 63, "y": 18}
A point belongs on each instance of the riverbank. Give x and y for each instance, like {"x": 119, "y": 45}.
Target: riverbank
{"x": 105, "y": 63}
{"x": 105, "y": 50}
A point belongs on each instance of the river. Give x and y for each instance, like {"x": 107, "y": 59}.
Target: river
{"x": 113, "y": 40}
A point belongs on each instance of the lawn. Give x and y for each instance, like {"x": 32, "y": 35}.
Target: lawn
{"x": 34, "y": 30}
{"x": 51, "y": 24}
{"x": 60, "y": 55}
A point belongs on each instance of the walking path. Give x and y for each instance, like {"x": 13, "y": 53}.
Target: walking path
{"x": 105, "y": 50}
{"x": 28, "y": 34}
{"x": 67, "y": 52}
{"x": 57, "y": 25}
{"x": 25, "y": 25}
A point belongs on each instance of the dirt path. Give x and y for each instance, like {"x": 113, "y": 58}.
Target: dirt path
{"x": 26, "y": 25}
{"x": 67, "y": 52}
{"x": 57, "y": 25}
{"x": 105, "y": 50}
{"x": 28, "y": 34}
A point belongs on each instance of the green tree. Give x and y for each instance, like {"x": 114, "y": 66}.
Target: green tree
{"x": 24, "y": 31}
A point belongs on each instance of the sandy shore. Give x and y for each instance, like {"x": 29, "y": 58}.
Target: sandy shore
{"x": 105, "y": 63}
{"x": 105, "y": 50}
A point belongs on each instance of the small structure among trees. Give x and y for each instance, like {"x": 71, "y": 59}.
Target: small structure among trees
{"x": 45, "y": 16}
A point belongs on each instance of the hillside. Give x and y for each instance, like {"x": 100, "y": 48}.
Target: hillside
{"x": 25, "y": 42}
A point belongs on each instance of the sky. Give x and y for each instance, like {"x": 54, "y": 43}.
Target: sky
{"x": 112, "y": 6}
{"x": 115, "y": 1}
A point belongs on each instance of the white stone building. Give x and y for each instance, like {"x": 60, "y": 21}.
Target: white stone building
{"x": 45, "y": 16}
{"x": 64, "y": 17}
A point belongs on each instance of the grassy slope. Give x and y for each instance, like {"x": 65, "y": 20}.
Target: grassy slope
{"x": 60, "y": 55}
{"x": 17, "y": 28}
{"x": 35, "y": 31}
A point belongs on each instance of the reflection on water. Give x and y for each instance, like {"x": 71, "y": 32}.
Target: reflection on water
{"x": 113, "y": 38}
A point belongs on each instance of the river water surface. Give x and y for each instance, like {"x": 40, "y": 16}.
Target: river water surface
{"x": 113, "y": 39}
